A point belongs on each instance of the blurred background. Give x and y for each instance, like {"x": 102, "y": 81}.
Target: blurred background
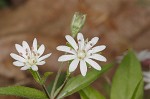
{"x": 120, "y": 24}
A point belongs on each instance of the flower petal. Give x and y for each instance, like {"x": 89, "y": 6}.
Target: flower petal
{"x": 41, "y": 63}
{"x": 17, "y": 63}
{"x": 73, "y": 65}
{"x": 71, "y": 41}
{"x": 83, "y": 67}
{"x": 25, "y": 68}
{"x": 91, "y": 43}
{"x": 26, "y": 46}
{"x": 17, "y": 57}
{"x": 80, "y": 39}
{"x": 21, "y": 50}
{"x": 98, "y": 48}
{"x": 146, "y": 74}
{"x": 93, "y": 64}
{"x": 34, "y": 44}
{"x": 66, "y": 57}
{"x": 98, "y": 57}
{"x": 41, "y": 50}
{"x": 34, "y": 68}
{"x": 44, "y": 57}
{"x": 65, "y": 49}
{"x": 147, "y": 86}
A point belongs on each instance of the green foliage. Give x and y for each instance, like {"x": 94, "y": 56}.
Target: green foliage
{"x": 21, "y": 91}
{"x": 90, "y": 93}
{"x": 35, "y": 76}
{"x": 45, "y": 76}
{"x": 127, "y": 81}
{"x": 79, "y": 82}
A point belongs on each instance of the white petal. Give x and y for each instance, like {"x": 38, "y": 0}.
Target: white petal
{"x": 146, "y": 79}
{"x": 41, "y": 63}
{"x": 91, "y": 43}
{"x": 34, "y": 44}
{"x": 66, "y": 57}
{"x": 81, "y": 42}
{"x": 98, "y": 48}
{"x": 71, "y": 42}
{"x": 73, "y": 65}
{"x": 17, "y": 57}
{"x": 65, "y": 49}
{"x": 93, "y": 64}
{"x": 21, "y": 50}
{"x": 17, "y": 63}
{"x": 41, "y": 49}
{"x": 83, "y": 67}
{"x": 25, "y": 67}
{"x": 26, "y": 46}
{"x": 34, "y": 68}
{"x": 44, "y": 57}
{"x": 98, "y": 57}
{"x": 147, "y": 86}
{"x": 146, "y": 74}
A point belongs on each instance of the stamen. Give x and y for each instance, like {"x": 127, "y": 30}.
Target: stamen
{"x": 20, "y": 53}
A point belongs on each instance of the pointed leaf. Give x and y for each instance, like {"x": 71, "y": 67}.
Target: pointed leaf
{"x": 90, "y": 93}
{"x": 79, "y": 82}
{"x": 22, "y": 91}
{"x": 127, "y": 79}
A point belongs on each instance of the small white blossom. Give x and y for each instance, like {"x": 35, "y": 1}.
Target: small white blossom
{"x": 29, "y": 58}
{"x": 147, "y": 80}
{"x": 82, "y": 53}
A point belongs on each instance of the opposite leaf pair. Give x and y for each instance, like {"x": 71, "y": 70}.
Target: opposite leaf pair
{"x": 81, "y": 53}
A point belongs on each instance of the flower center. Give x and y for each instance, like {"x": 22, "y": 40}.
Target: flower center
{"x": 81, "y": 54}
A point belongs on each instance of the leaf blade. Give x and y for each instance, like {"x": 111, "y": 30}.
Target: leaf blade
{"x": 22, "y": 91}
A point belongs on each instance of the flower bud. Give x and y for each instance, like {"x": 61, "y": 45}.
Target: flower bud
{"x": 78, "y": 21}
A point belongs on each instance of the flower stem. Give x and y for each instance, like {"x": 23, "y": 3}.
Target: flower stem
{"x": 43, "y": 86}
{"x": 56, "y": 80}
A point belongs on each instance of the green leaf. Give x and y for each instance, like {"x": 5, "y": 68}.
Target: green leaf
{"x": 127, "y": 80}
{"x": 79, "y": 82}
{"x": 90, "y": 93}
{"x": 45, "y": 76}
{"x": 22, "y": 91}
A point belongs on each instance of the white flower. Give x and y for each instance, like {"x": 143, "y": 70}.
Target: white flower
{"x": 147, "y": 80}
{"x": 82, "y": 53}
{"x": 29, "y": 58}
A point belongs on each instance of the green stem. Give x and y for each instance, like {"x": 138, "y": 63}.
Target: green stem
{"x": 43, "y": 86}
{"x": 56, "y": 80}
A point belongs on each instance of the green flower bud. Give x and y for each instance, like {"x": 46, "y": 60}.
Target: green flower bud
{"x": 78, "y": 21}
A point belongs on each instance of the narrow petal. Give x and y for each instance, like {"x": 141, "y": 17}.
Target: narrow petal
{"x": 65, "y": 49}
{"x": 41, "y": 50}
{"x": 25, "y": 68}
{"x": 83, "y": 67}
{"x": 98, "y": 48}
{"x": 80, "y": 39}
{"x": 93, "y": 64}
{"x": 98, "y": 57}
{"x": 34, "y": 68}
{"x": 147, "y": 86}
{"x": 17, "y": 57}
{"x": 34, "y": 44}
{"x": 73, "y": 65}
{"x": 41, "y": 63}
{"x": 44, "y": 57}
{"x": 66, "y": 57}
{"x": 146, "y": 79}
{"x": 71, "y": 41}
{"x": 17, "y": 63}
{"x": 21, "y": 50}
{"x": 26, "y": 46}
{"x": 146, "y": 74}
{"x": 91, "y": 43}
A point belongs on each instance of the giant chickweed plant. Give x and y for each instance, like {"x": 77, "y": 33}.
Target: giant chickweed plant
{"x": 81, "y": 53}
